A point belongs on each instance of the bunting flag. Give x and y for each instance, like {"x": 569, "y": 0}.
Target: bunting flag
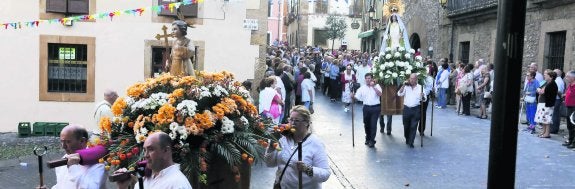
{"x": 36, "y": 23}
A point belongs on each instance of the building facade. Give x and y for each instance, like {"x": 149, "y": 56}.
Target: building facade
{"x": 306, "y": 27}
{"x": 465, "y": 30}
{"x": 59, "y": 72}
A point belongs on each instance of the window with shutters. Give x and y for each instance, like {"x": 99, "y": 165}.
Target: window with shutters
{"x": 320, "y": 37}
{"x": 555, "y": 51}
{"x": 464, "y": 51}
{"x": 321, "y": 6}
{"x": 67, "y": 68}
{"x": 55, "y": 9}
{"x": 68, "y": 7}
{"x": 189, "y": 11}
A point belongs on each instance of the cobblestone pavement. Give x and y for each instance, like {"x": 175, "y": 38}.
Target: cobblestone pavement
{"x": 454, "y": 157}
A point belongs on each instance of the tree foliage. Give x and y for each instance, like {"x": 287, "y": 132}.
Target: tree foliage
{"x": 336, "y": 28}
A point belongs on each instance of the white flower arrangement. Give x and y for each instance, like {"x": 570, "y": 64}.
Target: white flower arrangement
{"x": 227, "y": 125}
{"x": 187, "y": 107}
{"x": 394, "y": 67}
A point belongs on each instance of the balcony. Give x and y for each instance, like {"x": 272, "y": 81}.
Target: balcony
{"x": 456, "y": 8}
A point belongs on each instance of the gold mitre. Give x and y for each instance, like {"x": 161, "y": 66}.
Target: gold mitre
{"x": 393, "y": 6}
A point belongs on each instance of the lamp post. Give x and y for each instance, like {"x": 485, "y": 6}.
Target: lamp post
{"x": 430, "y": 51}
{"x": 371, "y": 12}
{"x": 443, "y": 3}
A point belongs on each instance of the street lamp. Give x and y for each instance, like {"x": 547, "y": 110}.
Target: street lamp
{"x": 443, "y": 3}
{"x": 371, "y": 12}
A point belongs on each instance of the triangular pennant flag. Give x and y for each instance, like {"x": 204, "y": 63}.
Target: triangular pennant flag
{"x": 111, "y": 15}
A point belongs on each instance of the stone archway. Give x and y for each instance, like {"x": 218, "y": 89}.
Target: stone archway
{"x": 414, "y": 41}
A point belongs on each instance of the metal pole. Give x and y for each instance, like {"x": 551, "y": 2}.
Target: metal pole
{"x": 508, "y": 60}
{"x": 297, "y": 31}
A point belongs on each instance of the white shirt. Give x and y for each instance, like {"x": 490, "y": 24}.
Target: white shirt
{"x": 428, "y": 85}
{"x": 367, "y": 95}
{"x": 280, "y": 84}
{"x": 103, "y": 109}
{"x": 312, "y": 75}
{"x": 307, "y": 85}
{"x": 361, "y": 71}
{"x": 560, "y": 86}
{"x": 539, "y": 77}
{"x": 80, "y": 177}
{"x": 313, "y": 153}
{"x": 169, "y": 178}
{"x": 443, "y": 80}
{"x": 411, "y": 95}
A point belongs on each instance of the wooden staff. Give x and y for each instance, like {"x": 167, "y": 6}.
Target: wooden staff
{"x": 41, "y": 152}
{"x": 421, "y": 116}
{"x": 352, "y": 117}
{"x": 299, "y": 158}
{"x": 432, "y": 104}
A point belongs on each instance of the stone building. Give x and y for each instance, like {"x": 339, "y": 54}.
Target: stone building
{"x": 309, "y": 29}
{"x": 465, "y": 30}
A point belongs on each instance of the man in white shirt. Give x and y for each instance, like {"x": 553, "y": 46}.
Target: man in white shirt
{"x": 165, "y": 173}
{"x": 558, "y": 102}
{"x": 103, "y": 109}
{"x": 412, "y": 96}
{"x": 74, "y": 175}
{"x": 369, "y": 94}
{"x": 307, "y": 90}
{"x": 362, "y": 69}
{"x": 442, "y": 83}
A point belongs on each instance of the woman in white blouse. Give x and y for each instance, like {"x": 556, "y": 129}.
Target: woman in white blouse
{"x": 314, "y": 165}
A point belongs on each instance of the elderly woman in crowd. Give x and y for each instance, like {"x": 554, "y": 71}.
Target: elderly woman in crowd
{"x": 531, "y": 100}
{"x": 314, "y": 164}
{"x": 270, "y": 100}
{"x": 547, "y": 97}
{"x": 347, "y": 78}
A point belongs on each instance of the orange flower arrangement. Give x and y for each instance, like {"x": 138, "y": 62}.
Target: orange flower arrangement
{"x": 105, "y": 124}
{"x": 166, "y": 114}
{"x": 118, "y": 106}
{"x": 204, "y": 120}
{"x": 211, "y": 107}
{"x": 136, "y": 90}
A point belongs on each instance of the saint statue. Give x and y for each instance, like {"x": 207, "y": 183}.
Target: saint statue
{"x": 395, "y": 35}
{"x": 180, "y": 62}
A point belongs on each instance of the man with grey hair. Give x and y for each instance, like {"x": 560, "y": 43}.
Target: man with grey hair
{"x": 103, "y": 109}
{"x": 558, "y": 102}
{"x": 570, "y": 104}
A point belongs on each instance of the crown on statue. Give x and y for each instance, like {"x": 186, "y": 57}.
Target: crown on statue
{"x": 393, "y": 6}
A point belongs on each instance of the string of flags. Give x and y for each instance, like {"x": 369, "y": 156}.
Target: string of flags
{"x": 158, "y": 8}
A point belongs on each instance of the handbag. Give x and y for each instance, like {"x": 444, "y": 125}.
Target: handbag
{"x": 487, "y": 94}
{"x": 529, "y": 99}
{"x": 277, "y": 184}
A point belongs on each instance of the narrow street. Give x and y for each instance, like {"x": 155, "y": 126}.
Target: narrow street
{"x": 456, "y": 156}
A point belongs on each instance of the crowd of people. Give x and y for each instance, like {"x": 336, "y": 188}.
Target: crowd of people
{"x": 547, "y": 98}
{"x": 287, "y": 93}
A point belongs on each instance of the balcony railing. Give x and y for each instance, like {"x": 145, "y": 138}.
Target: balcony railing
{"x": 458, "y": 7}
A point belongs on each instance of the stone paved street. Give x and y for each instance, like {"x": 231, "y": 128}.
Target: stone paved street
{"x": 454, "y": 157}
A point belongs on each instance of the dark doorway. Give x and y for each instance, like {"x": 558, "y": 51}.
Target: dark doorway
{"x": 414, "y": 41}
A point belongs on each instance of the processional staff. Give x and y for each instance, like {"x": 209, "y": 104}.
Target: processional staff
{"x": 40, "y": 152}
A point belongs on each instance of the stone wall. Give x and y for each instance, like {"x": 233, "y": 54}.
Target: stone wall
{"x": 259, "y": 38}
{"x": 429, "y": 20}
